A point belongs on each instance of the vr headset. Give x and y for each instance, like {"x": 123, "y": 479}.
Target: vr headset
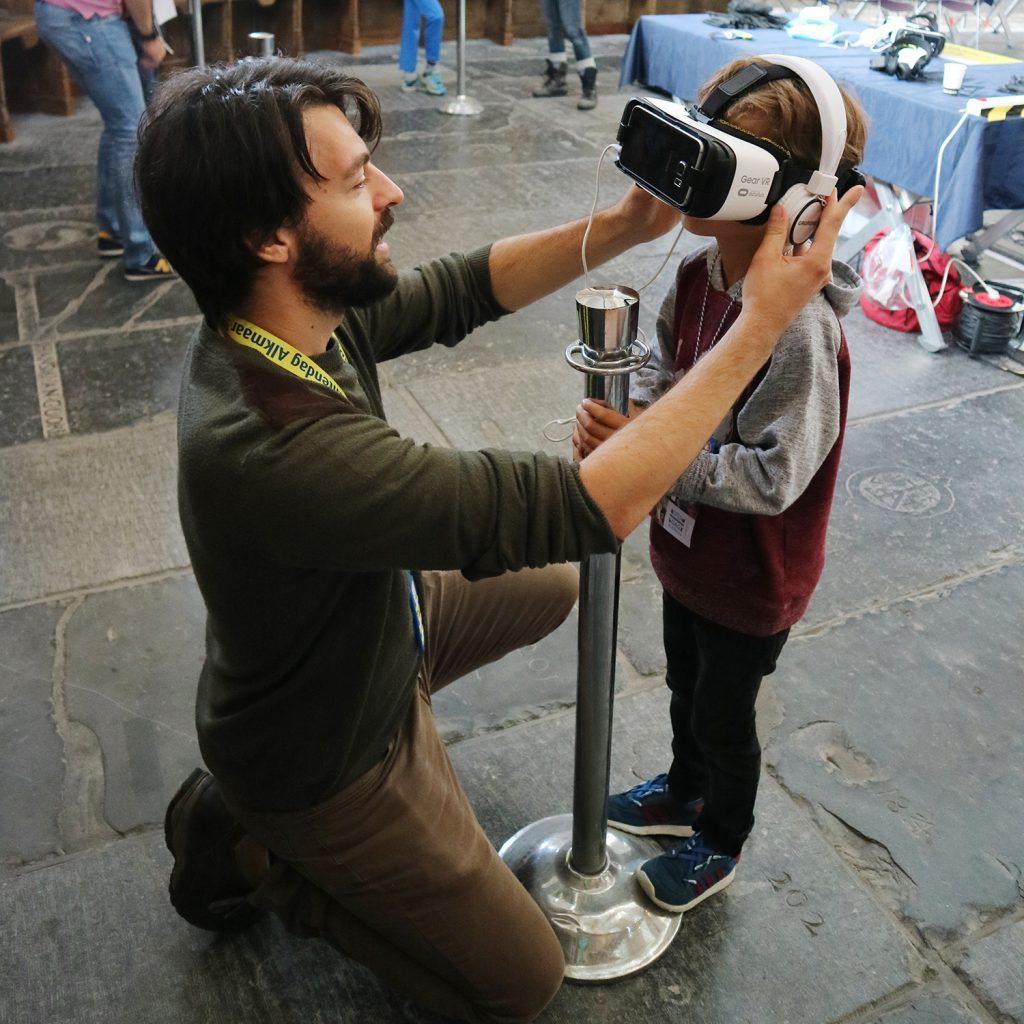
{"x": 909, "y": 53}
{"x": 694, "y": 160}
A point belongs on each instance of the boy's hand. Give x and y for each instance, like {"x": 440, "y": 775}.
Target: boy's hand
{"x": 777, "y": 286}
{"x": 643, "y": 217}
{"x": 595, "y": 423}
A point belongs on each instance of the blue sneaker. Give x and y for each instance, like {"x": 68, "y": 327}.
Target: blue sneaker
{"x": 650, "y": 810}
{"x": 679, "y": 881}
{"x": 430, "y": 82}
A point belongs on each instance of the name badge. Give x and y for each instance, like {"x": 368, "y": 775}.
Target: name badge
{"x": 677, "y": 522}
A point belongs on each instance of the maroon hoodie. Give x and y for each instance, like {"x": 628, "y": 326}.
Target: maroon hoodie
{"x": 761, "y": 492}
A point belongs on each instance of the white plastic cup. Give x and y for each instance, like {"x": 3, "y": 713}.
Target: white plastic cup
{"x": 953, "y": 77}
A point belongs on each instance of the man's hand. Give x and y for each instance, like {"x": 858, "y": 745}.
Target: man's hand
{"x": 152, "y": 52}
{"x": 777, "y": 286}
{"x": 595, "y": 423}
{"x": 643, "y": 217}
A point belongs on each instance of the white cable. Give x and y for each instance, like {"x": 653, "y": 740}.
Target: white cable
{"x": 938, "y": 173}
{"x": 970, "y": 270}
{"x": 593, "y": 210}
{"x": 664, "y": 262}
{"x": 590, "y": 224}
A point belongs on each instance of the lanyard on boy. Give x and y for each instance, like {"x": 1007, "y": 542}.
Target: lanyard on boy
{"x": 280, "y": 353}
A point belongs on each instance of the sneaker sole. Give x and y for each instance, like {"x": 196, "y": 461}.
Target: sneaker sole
{"x": 131, "y": 275}
{"x": 648, "y": 887}
{"x": 109, "y": 254}
{"x": 680, "y": 831}
{"x": 231, "y": 915}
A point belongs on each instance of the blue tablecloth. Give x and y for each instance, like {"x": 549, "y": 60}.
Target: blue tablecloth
{"x": 983, "y": 167}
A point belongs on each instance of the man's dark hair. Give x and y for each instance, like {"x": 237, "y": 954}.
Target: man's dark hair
{"x": 220, "y": 165}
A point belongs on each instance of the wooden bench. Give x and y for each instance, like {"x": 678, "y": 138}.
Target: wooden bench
{"x": 31, "y": 78}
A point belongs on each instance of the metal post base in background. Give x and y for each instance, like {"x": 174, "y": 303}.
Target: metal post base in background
{"x": 580, "y": 872}
{"x": 461, "y": 104}
{"x": 607, "y": 927}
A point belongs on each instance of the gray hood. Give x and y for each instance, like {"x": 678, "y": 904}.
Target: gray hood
{"x": 844, "y": 291}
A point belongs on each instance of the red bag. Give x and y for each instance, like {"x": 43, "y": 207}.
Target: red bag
{"x": 933, "y": 269}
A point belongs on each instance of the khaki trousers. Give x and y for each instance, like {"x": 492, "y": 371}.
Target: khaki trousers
{"x": 395, "y": 871}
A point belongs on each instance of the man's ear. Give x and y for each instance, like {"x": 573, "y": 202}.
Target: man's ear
{"x": 277, "y": 247}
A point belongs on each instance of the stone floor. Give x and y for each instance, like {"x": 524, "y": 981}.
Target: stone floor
{"x": 884, "y": 883}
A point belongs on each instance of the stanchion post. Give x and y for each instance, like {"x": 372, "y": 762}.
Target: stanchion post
{"x": 462, "y": 104}
{"x": 580, "y": 873}
{"x": 198, "y": 47}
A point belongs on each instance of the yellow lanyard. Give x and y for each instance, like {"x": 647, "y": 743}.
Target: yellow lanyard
{"x": 280, "y": 353}
{"x": 291, "y": 359}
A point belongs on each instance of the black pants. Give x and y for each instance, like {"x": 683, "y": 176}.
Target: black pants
{"x": 714, "y": 674}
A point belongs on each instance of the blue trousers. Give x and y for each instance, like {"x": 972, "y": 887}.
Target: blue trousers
{"x": 433, "y": 18}
{"x": 565, "y": 22}
{"x": 101, "y": 56}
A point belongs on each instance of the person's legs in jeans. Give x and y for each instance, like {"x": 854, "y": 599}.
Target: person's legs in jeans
{"x": 556, "y": 32}
{"x": 100, "y": 53}
{"x": 571, "y": 20}
{"x": 723, "y": 725}
{"x": 395, "y": 871}
{"x": 433, "y": 26}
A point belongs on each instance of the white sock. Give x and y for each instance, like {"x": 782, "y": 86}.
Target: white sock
{"x": 559, "y": 58}
{"x": 587, "y": 62}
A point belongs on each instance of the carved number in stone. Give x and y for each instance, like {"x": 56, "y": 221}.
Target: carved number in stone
{"x": 49, "y": 236}
{"x": 781, "y": 882}
{"x": 903, "y": 491}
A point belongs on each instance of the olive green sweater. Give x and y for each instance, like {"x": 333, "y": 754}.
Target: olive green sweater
{"x": 302, "y": 512}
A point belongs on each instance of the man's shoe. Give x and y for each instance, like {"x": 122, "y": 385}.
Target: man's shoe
{"x": 588, "y": 79}
{"x": 107, "y": 246}
{"x": 411, "y": 84}
{"x": 679, "y": 881}
{"x": 207, "y": 887}
{"x": 156, "y": 269}
{"x": 554, "y": 81}
{"x": 650, "y": 810}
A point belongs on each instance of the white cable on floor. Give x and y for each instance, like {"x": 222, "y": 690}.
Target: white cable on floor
{"x": 938, "y": 173}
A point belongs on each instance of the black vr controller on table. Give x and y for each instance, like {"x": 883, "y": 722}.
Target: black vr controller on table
{"x": 694, "y": 160}
{"x": 911, "y": 49}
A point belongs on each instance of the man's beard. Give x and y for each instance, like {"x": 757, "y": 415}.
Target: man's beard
{"x": 333, "y": 276}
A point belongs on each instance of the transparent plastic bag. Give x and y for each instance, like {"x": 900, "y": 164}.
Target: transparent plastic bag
{"x": 885, "y": 269}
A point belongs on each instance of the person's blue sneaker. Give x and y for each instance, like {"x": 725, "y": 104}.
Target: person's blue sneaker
{"x": 430, "y": 82}
{"x": 650, "y": 810}
{"x": 411, "y": 84}
{"x": 680, "y": 880}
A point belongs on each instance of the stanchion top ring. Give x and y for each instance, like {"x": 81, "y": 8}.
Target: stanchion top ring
{"x": 636, "y": 356}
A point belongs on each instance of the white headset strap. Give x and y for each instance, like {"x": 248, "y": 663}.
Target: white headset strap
{"x": 831, "y": 110}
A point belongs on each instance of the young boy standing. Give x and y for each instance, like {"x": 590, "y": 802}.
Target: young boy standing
{"x": 739, "y": 543}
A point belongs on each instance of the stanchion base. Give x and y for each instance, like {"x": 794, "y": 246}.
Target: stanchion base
{"x": 466, "y": 106}
{"x": 607, "y": 927}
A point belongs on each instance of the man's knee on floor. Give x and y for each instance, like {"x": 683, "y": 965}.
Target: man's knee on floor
{"x": 528, "y": 986}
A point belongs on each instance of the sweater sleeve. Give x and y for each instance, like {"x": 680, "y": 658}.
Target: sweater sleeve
{"x": 346, "y": 491}
{"x": 653, "y": 380}
{"x": 785, "y": 430}
{"x": 440, "y": 302}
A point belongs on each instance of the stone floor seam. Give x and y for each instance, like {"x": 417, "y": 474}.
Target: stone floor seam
{"x": 101, "y": 588}
{"x": 1005, "y": 558}
{"x": 941, "y": 405}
